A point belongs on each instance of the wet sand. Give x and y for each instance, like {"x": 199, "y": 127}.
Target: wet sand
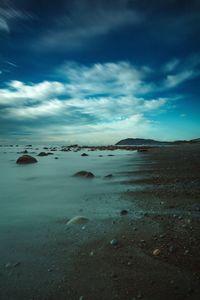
{"x": 167, "y": 190}
{"x": 115, "y": 258}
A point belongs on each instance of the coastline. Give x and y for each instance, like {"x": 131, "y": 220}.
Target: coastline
{"x": 168, "y": 193}
{"x": 113, "y": 258}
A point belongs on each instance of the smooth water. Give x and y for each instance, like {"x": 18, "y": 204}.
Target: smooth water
{"x": 48, "y": 190}
{"x": 36, "y": 200}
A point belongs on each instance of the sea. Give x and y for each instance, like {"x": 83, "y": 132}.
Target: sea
{"x": 36, "y": 202}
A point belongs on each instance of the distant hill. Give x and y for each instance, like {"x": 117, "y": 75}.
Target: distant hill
{"x": 195, "y": 141}
{"x": 139, "y": 141}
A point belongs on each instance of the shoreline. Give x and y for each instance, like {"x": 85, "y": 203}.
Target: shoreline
{"x": 113, "y": 258}
{"x": 130, "y": 269}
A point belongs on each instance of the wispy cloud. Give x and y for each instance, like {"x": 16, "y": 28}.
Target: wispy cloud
{"x": 78, "y": 24}
{"x": 10, "y": 14}
{"x": 178, "y": 71}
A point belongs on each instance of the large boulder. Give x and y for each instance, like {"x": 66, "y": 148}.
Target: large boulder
{"x": 84, "y": 174}
{"x": 26, "y": 159}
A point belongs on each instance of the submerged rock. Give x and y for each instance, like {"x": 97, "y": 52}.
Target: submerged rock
{"x": 84, "y": 154}
{"x": 26, "y": 159}
{"x": 43, "y": 154}
{"x": 84, "y": 174}
{"x": 108, "y": 176}
{"x": 78, "y": 220}
{"x": 124, "y": 212}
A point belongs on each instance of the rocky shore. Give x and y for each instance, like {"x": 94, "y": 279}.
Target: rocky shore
{"x": 149, "y": 251}
{"x": 153, "y": 257}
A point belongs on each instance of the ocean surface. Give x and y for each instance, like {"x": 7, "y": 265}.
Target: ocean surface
{"x": 36, "y": 200}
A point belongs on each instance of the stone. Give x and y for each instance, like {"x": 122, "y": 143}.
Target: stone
{"x": 84, "y": 154}
{"x": 43, "y": 154}
{"x": 156, "y": 252}
{"x": 26, "y": 159}
{"x": 108, "y": 176}
{"x": 84, "y": 174}
{"x": 124, "y": 212}
{"x": 78, "y": 220}
{"x": 114, "y": 242}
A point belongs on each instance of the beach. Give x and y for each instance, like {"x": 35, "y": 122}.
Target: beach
{"x": 140, "y": 239}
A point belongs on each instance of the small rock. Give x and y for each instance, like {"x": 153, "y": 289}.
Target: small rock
{"x": 156, "y": 252}
{"x": 84, "y": 154}
{"x": 186, "y": 252}
{"x": 114, "y": 242}
{"x": 78, "y": 220}
{"x": 84, "y": 174}
{"x": 171, "y": 249}
{"x": 124, "y": 212}
{"x": 43, "y": 154}
{"x": 108, "y": 176}
{"x": 17, "y": 264}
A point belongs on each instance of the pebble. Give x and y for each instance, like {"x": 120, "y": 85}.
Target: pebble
{"x": 124, "y": 212}
{"x": 162, "y": 236}
{"x": 171, "y": 249}
{"x": 78, "y": 220}
{"x": 114, "y": 242}
{"x": 156, "y": 252}
{"x": 186, "y": 252}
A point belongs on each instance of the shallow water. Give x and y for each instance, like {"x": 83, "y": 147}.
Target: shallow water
{"x": 47, "y": 189}
{"x": 36, "y": 200}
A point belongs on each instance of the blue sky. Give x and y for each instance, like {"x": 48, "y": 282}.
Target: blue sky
{"x": 95, "y": 72}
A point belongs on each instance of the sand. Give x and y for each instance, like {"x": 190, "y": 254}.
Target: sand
{"x": 153, "y": 257}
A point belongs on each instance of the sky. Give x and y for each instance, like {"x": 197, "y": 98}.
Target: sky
{"x": 98, "y": 71}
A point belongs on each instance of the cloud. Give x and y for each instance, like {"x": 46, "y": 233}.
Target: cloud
{"x": 111, "y": 99}
{"x": 174, "y": 80}
{"x": 178, "y": 71}
{"x": 108, "y": 97}
{"x": 9, "y": 15}
{"x": 18, "y": 93}
{"x": 82, "y": 21}
{"x": 171, "y": 65}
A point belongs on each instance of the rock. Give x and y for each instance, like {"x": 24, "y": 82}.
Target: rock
{"x": 78, "y": 220}
{"x": 43, "y": 154}
{"x": 171, "y": 249}
{"x": 26, "y": 159}
{"x": 156, "y": 252}
{"x": 84, "y": 174}
{"x": 108, "y": 176}
{"x": 142, "y": 150}
{"x": 56, "y": 157}
{"x": 114, "y": 242}
{"x": 25, "y": 152}
{"x": 124, "y": 212}
{"x": 84, "y": 154}
{"x": 186, "y": 252}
